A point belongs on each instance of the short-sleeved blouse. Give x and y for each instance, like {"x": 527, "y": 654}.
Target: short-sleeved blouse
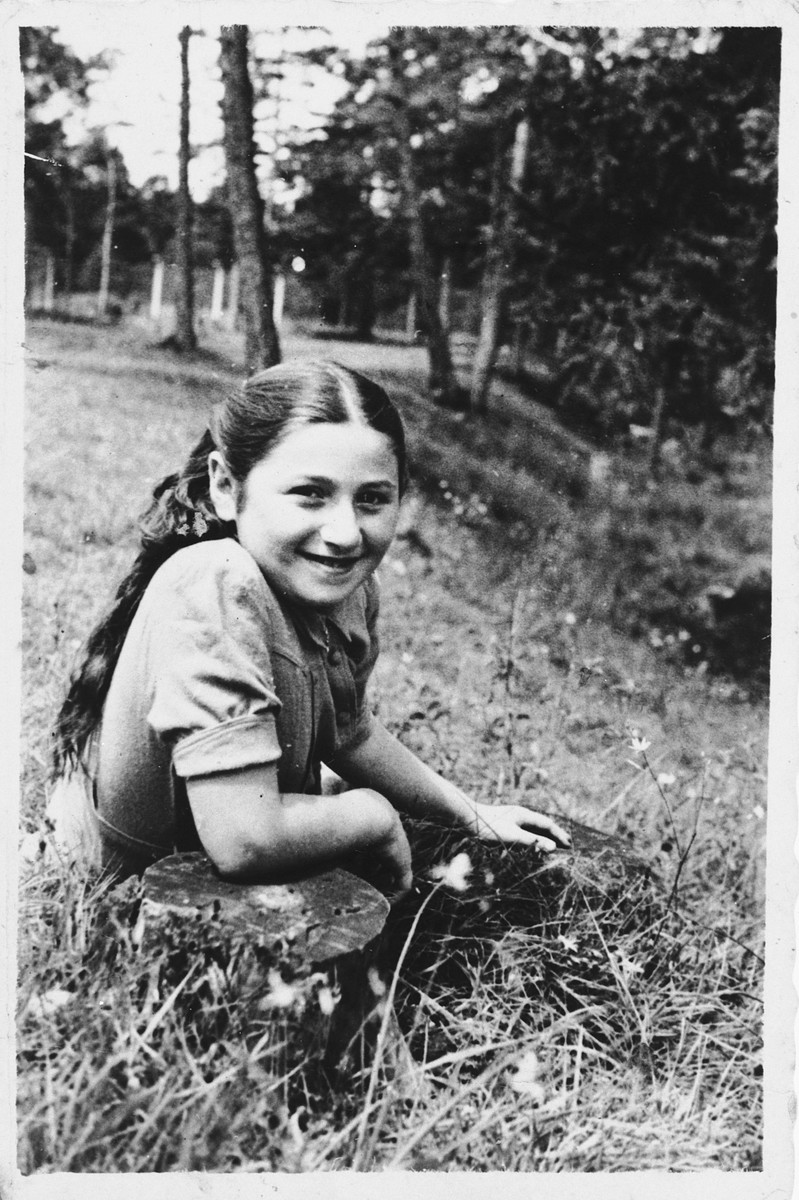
{"x": 217, "y": 673}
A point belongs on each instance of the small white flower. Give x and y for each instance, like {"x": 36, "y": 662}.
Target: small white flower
{"x": 638, "y": 743}
{"x": 280, "y": 994}
{"x": 376, "y": 982}
{"x": 665, "y": 780}
{"x": 49, "y": 1002}
{"x": 525, "y": 1078}
{"x": 567, "y": 942}
{"x": 454, "y": 874}
{"x": 327, "y": 1001}
{"x": 629, "y": 967}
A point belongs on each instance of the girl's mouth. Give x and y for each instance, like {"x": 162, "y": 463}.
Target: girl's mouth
{"x": 332, "y": 562}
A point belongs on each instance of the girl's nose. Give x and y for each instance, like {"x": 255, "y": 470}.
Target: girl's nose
{"x": 341, "y": 528}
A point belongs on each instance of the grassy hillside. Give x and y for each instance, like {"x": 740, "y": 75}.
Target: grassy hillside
{"x": 533, "y": 648}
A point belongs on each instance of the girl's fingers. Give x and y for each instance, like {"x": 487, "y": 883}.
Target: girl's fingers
{"x": 539, "y": 822}
{"x": 543, "y": 843}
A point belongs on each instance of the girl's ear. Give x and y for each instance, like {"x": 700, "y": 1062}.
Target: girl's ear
{"x": 222, "y": 487}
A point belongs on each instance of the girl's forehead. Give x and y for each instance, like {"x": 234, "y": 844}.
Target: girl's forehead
{"x": 327, "y": 446}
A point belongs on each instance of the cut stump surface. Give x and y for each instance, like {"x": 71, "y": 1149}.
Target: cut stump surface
{"x": 322, "y": 917}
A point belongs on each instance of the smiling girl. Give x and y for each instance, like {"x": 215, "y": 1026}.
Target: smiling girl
{"x": 235, "y": 658}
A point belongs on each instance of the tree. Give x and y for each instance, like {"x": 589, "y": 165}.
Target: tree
{"x": 498, "y": 264}
{"x": 262, "y": 345}
{"x": 108, "y": 233}
{"x": 52, "y": 175}
{"x": 655, "y": 234}
{"x": 185, "y": 336}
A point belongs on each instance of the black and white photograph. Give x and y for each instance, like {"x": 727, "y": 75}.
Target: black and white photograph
{"x": 402, "y": 602}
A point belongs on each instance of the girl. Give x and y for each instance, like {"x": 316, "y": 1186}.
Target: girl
{"x": 235, "y": 658}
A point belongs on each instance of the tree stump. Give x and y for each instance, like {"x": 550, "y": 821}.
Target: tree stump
{"x": 320, "y": 918}
{"x": 319, "y": 931}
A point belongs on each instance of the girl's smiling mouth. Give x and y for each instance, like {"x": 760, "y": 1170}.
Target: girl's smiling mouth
{"x": 332, "y": 561}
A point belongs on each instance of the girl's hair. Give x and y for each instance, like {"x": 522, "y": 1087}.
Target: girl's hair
{"x": 244, "y": 428}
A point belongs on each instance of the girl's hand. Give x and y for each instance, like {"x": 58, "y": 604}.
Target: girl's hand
{"x": 513, "y": 823}
{"x": 394, "y": 875}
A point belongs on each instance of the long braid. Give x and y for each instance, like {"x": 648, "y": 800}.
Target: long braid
{"x": 179, "y": 514}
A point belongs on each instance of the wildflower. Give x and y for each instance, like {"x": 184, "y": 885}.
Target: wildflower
{"x": 567, "y": 942}
{"x": 454, "y": 874}
{"x": 638, "y": 744}
{"x": 629, "y": 967}
{"x": 525, "y": 1078}
{"x": 49, "y": 1002}
{"x": 280, "y": 994}
{"x": 376, "y": 983}
{"x": 664, "y": 780}
{"x": 327, "y": 1000}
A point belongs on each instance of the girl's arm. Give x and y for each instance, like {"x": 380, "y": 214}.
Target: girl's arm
{"x": 251, "y": 832}
{"x": 385, "y": 764}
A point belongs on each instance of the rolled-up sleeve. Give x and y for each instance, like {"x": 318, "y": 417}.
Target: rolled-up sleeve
{"x": 213, "y": 700}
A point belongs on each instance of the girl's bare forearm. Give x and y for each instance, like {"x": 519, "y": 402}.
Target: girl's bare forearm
{"x": 251, "y": 832}
{"x": 384, "y": 763}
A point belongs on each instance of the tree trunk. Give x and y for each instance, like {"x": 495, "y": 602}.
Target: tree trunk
{"x": 443, "y": 387}
{"x": 410, "y": 318}
{"x": 108, "y": 236}
{"x": 279, "y": 300}
{"x": 445, "y": 295}
{"x": 69, "y": 232}
{"x": 48, "y": 297}
{"x": 234, "y": 291}
{"x": 262, "y": 348}
{"x": 157, "y": 288}
{"x": 184, "y": 332}
{"x": 496, "y": 274}
{"x": 218, "y": 293}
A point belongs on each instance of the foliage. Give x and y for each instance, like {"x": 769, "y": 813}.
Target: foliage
{"x": 50, "y": 70}
{"x": 658, "y": 268}
{"x": 643, "y": 245}
{"x": 66, "y": 194}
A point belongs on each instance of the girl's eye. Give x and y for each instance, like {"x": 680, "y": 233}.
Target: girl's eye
{"x": 308, "y": 491}
{"x": 373, "y": 499}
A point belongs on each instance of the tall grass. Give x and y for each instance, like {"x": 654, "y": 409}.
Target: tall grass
{"x": 585, "y": 1013}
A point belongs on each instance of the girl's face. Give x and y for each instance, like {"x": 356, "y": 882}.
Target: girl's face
{"x": 318, "y": 512}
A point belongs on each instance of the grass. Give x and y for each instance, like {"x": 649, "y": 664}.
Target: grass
{"x": 559, "y": 1019}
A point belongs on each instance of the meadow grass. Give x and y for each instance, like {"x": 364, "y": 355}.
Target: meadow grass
{"x": 556, "y": 1020}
